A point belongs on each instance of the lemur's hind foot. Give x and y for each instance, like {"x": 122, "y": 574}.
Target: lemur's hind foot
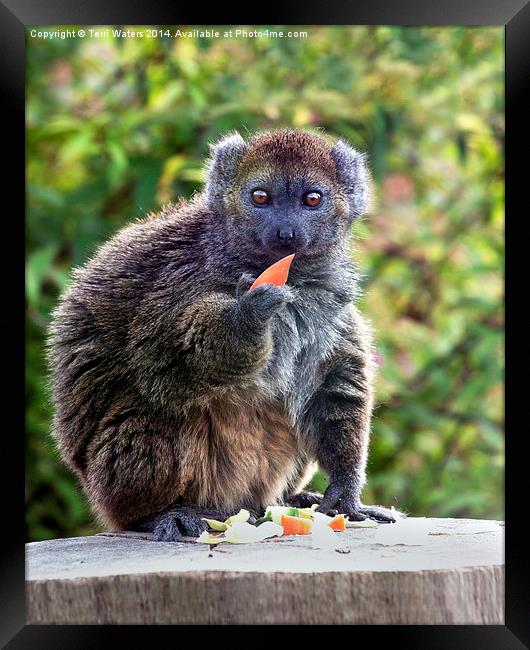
{"x": 178, "y": 522}
{"x": 183, "y": 521}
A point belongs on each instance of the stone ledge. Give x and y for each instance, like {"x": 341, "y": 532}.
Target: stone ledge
{"x": 452, "y": 573}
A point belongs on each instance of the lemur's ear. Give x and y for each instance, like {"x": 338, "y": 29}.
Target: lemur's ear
{"x": 353, "y": 175}
{"x": 225, "y": 156}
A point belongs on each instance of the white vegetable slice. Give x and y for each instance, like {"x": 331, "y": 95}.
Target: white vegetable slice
{"x": 241, "y": 532}
{"x": 320, "y": 517}
{"x": 244, "y": 533}
{"x": 323, "y": 536}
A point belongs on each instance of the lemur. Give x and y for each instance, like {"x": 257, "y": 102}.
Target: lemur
{"x": 179, "y": 393}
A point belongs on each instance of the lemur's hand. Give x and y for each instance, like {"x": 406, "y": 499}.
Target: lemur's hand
{"x": 244, "y": 284}
{"x": 342, "y": 498}
{"x": 263, "y": 302}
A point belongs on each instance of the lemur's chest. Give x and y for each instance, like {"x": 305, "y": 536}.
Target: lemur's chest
{"x": 305, "y": 333}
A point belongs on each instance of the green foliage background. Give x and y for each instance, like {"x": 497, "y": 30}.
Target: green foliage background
{"x": 116, "y": 128}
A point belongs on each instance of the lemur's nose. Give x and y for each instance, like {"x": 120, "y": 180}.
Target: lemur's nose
{"x": 285, "y": 235}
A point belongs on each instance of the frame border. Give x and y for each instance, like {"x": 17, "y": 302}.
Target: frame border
{"x": 514, "y": 15}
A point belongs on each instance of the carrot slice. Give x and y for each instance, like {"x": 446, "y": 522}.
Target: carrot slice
{"x": 338, "y": 523}
{"x": 296, "y": 525}
{"x": 276, "y": 274}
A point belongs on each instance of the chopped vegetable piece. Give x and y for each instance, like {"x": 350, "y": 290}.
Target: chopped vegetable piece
{"x": 209, "y": 538}
{"x": 276, "y": 512}
{"x": 338, "y": 523}
{"x": 308, "y": 512}
{"x": 242, "y": 515}
{"x": 296, "y": 525}
{"x": 262, "y": 520}
{"x": 276, "y": 274}
{"x": 215, "y": 525}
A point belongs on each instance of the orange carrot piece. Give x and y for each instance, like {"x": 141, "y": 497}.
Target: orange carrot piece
{"x": 276, "y": 274}
{"x": 296, "y": 525}
{"x": 338, "y": 523}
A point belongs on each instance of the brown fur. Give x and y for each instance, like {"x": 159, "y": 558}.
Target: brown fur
{"x": 233, "y": 454}
{"x": 291, "y": 151}
{"x": 241, "y": 454}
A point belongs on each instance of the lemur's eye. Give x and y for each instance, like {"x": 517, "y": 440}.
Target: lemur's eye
{"x": 260, "y": 197}
{"x": 312, "y": 199}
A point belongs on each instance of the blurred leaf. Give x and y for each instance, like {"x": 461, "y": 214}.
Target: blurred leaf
{"x": 37, "y": 268}
{"x": 118, "y": 163}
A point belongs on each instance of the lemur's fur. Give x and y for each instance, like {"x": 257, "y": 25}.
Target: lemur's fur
{"x": 179, "y": 392}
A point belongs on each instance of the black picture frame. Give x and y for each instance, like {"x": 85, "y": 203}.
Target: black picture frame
{"x": 514, "y": 15}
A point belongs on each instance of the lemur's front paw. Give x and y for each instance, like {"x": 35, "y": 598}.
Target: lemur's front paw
{"x": 264, "y": 301}
{"x": 340, "y": 497}
{"x": 377, "y": 513}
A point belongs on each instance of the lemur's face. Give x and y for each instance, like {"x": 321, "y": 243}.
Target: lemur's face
{"x": 286, "y": 191}
{"x": 289, "y": 211}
